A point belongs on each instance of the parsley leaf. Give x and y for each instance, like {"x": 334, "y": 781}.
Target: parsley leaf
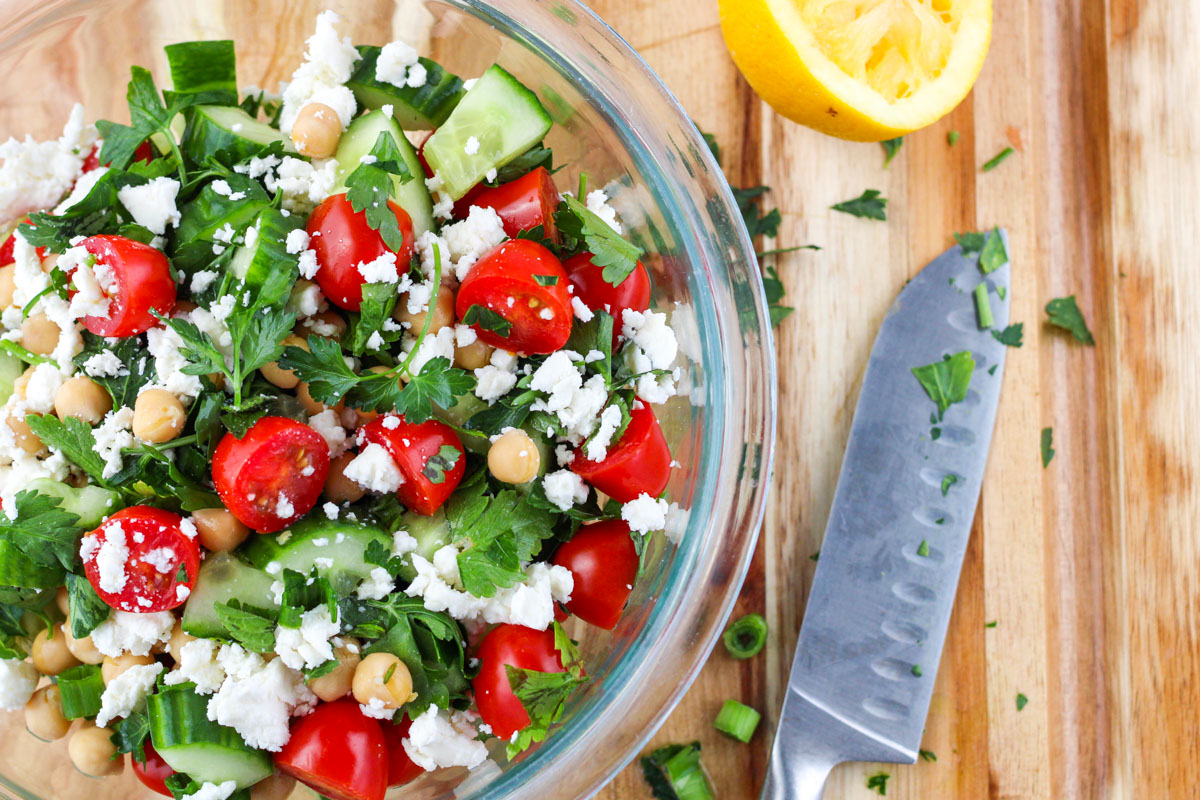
{"x": 947, "y": 482}
{"x": 545, "y": 280}
{"x": 868, "y": 205}
{"x": 993, "y": 255}
{"x": 890, "y": 148}
{"x": 441, "y": 462}
{"x": 618, "y": 256}
{"x": 86, "y": 607}
{"x": 997, "y": 159}
{"x": 946, "y": 381}
{"x": 927, "y": 755}
{"x": 1022, "y": 701}
{"x": 148, "y": 115}
{"x": 1047, "y": 446}
{"x": 952, "y": 138}
{"x": 302, "y": 593}
{"x": 129, "y": 734}
{"x": 971, "y": 242}
{"x": 46, "y": 534}
{"x": 773, "y": 287}
{"x": 757, "y": 223}
{"x": 674, "y": 772}
{"x": 508, "y": 412}
{"x": 878, "y": 782}
{"x": 544, "y": 694}
{"x": 1064, "y": 313}
{"x": 137, "y": 367}
{"x": 253, "y": 628}
{"x": 322, "y": 367}
{"x": 1012, "y": 336}
{"x": 370, "y": 185}
{"x": 487, "y": 319}
{"x": 378, "y": 301}
{"x": 436, "y": 384}
{"x": 74, "y": 439}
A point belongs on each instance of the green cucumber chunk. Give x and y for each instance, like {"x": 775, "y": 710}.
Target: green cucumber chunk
{"x": 90, "y": 503}
{"x": 254, "y": 263}
{"x": 357, "y": 142}
{"x": 223, "y": 578}
{"x": 207, "y": 69}
{"x": 20, "y": 571}
{"x": 432, "y": 534}
{"x": 80, "y": 689}
{"x": 503, "y": 116}
{"x": 227, "y": 130}
{"x": 465, "y": 406}
{"x": 422, "y": 108}
{"x": 337, "y": 548}
{"x": 191, "y": 743}
{"x": 11, "y": 368}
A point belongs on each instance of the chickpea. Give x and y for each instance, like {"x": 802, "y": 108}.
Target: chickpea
{"x": 473, "y": 356}
{"x": 112, "y": 667}
{"x": 312, "y": 406}
{"x": 50, "y": 653}
{"x": 339, "y": 488}
{"x": 443, "y": 312}
{"x": 83, "y": 649}
{"x": 158, "y": 416}
{"x": 339, "y": 682}
{"x": 218, "y": 529}
{"x": 329, "y": 324}
{"x": 39, "y": 334}
{"x": 91, "y": 751}
{"x": 24, "y": 436}
{"x": 43, "y": 715}
{"x": 276, "y": 787}
{"x": 49, "y": 261}
{"x": 82, "y": 398}
{"x": 8, "y": 284}
{"x": 370, "y": 684}
{"x": 283, "y": 378}
{"x": 514, "y": 458}
{"x": 178, "y": 639}
{"x": 317, "y": 130}
{"x": 62, "y": 599}
{"x": 183, "y": 307}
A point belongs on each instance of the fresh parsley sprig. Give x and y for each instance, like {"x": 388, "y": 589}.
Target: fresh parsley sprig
{"x": 45, "y": 533}
{"x": 869, "y": 205}
{"x": 617, "y": 255}
{"x": 1063, "y": 312}
{"x": 544, "y": 695}
{"x": 371, "y": 185}
{"x": 946, "y": 381}
{"x": 148, "y": 115}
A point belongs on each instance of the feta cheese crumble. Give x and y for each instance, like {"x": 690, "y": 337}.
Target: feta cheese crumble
{"x": 18, "y": 679}
{"x": 152, "y": 205}
{"x": 564, "y": 489}
{"x": 374, "y": 470}
{"x": 125, "y": 693}
{"x": 328, "y": 63}
{"x": 440, "y": 739}
{"x": 645, "y": 514}
{"x": 307, "y": 647}
{"x": 126, "y": 632}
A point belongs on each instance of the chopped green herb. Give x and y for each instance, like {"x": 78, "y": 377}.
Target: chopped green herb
{"x": 487, "y": 319}
{"x": 546, "y": 280}
{"x": 971, "y": 242}
{"x": 737, "y": 720}
{"x": 757, "y": 223}
{"x": 773, "y": 288}
{"x": 1047, "y": 446}
{"x": 890, "y": 148}
{"x": 370, "y": 185}
{"x": 1002, "y": 291}
{"x": 927, "y": 755}
{"x": 997, "y": 159}
{"x": 923, "y": 549}
{"x": 815, "y": 556}
{"x": 1022, "y": 701}
{"x": 991, "y": 624}
{"x": 1012, "y": 336}
{"x": 983, "y": 307}
{"x": 994, "y": 254}
{"x": 992, "y": 369}
{"x": 939, "y": 521}
{"x": 935, "y": 433}
{"x": 745, "y": 637}
{"x": 947, "y": 482}
{"x": 674, "y": 773}
{"x": 868, "y": 205}
{"x": 441, "y": 462}
{"x": 952, "y": 138}
{"x": 617, "y": 256}
{"x": 916, "y": 671}
{"x": 1064, "y": 313}
{"x": 878, "y": 782}
{"x": 946, "y": 381}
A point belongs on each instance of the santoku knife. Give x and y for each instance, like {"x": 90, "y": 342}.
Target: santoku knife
{"x": 876, "y": 618}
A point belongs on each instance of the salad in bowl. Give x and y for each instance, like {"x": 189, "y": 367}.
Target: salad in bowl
{"x": 321, "y": 412}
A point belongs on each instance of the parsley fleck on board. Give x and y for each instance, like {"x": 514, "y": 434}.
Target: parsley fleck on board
{"x": 997, "y": 159}
{"x": 1063, "y": 312}
{"x": 890, "y": 148}
{"x": 927, "y": 755}
{"x": 869, "y": 205}
{"x": 1047, "y": 446}
{"x": 1022, "y": 701}
{"x": 878, "y": 782}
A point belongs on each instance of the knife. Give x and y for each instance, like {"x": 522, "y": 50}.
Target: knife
{"x": 876, "y": 618}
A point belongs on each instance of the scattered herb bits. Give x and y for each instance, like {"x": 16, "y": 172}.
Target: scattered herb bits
{"x": 1022, "y": 701}
{"x": 923, "y": 549}
{"x": 869, "y": 205}
{"x": 674, "y": 773}
{"x": 1012, "y": 336}
{"x": 917, "y": 671}
{"x": 946, "y": 381}
{"x": 745, "y": 637}
{"x": 1064, "y": 313}
{"x": 737, "y": 720}
{"x": 890, "y": 148}
{"x": 952, "y": 138}
{"x": 993, "y": 254}
{"x": 878, "y": 782}
{"x": 927, "y": 755}
{"x": 983, "y": 307}
{"x": 1047, "y": 446}
{"x": 997, "y": 159}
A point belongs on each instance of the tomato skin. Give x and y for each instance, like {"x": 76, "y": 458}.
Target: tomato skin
{"x": 631, "y": 294}
{"x": 342, "y": 240}
{"x": 158, "y": 528}
{"x": 507, "y": 274}
{"x": 143, "y": 283}
{"x": 269, "y": 460}
{"x": 525, "y": 203}
{"x": 411, "y": 447}
{"x": 144, "y": 152}
{"x": 604, "y": 562}
{"x": 520, "y": 647}
{"x": 154, "y": 773}
{"x": 640, "y": 463}
{"x": 401, "y": 768}
{"x": 338, "y": 752}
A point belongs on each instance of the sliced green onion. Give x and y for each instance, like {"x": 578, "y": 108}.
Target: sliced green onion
{"x": 746, "y": 637}
{"x": 675, "y": 771}
{"x": 80, "y": 689}
{"x": 983, "y": 305}
{"x": 737, "y": 720}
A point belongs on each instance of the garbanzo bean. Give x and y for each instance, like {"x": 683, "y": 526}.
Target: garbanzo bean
{"x": 91, "y": 751}
{"x": 339, "y": 682}
{"x": 158, "y": 416}
{"x": 473, "y": 356}
{"x": 514, "y": 458}
{"x": 43, "y": 715}
{"x": 317, "y": 130}
{"x": 443, "y": 312}
{"x": 82, "y": 398}
{"x": 283, "y": 378}
{"x": 218, "y": 529}
{"x": 113, "y": 667}
{"x": 50, "y": 654}
{"x": 382, "y": 677}
{"x": 39, "y": 334}
{"x": 339, "y": 488}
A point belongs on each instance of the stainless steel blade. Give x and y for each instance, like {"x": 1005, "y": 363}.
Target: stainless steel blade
{"x": 876, "y": 618}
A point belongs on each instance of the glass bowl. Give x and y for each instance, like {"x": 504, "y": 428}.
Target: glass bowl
{"x": 615, "y": 121}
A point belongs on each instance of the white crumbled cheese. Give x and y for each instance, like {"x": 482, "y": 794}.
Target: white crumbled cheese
{"x": 113, "y": 435}
{"x": 645, "y": 514}
{"x": 472, "y": 146}
{"x": 331, "y": 510}
{"x": 111, "y": 558}
{"x": 257, "y": 698}
{"x": 182, "y": 593}
{"x": 326, "y": 423}
{"x": 44, "y": 382}
{"x": 375, "y": 709}
{"x": 283, "y": 507}
{"x": 308, "y": 264}
{"x": 127, "y": 692}
{"x": 597, "y": 203}
{"x": 439, "y": 739}
{"x": 36, "y": 175}
{"x": 297, "y": 241}
{"x": 495, "y": 379}
{"x": 581, "y": 310}
{"x": 304, "y": 185}
{"x": 105, "y": 364}
{"x": 443, "y": 204}
{"x": 439, "y": 345}
{"x": 464, "y": 336}
{"x": 565, "y": 489}
{"x": 152, "y": 205}
{"x": 214, "y": 791}
{"x": 378, "y": 585}
{"x": 490, "y": 176}
{"x": 163, "y": 559}
{"x": 18, "y": 679}
{"x": 417, "y": 76}
{"x": 374, "y": 470}
{"x": 202, "y": 279}
{"x": 306, "y": 300}
{"x": 653, "y": 346}
{"x": 395, "y": 59}
{"x": 126, "y": 632}
{"x": 403, "y": 543}
{"x": 307, "y": 647}
{"x": 576, "y": 403}
{"x": 381, "y": 270}
{"x": 564, "y": 455}
{"x": 198, "y": 664}
{"x": 90, "y": 298}
{"x": 469, "y": 240}
{"x": 596, "y": 448}
{"x": 328, "y": 64}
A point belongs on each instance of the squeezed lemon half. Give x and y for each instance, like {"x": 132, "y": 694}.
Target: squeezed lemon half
{"x": 859, "y": 69}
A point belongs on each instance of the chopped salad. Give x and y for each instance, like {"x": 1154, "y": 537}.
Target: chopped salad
{"x": 320, "y": 412}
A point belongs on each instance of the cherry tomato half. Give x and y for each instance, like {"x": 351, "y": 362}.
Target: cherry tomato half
{"x": 144, "y": 152}
{"x": 149, "y": 548}
{"x": 604, "y": 562}
{"x": 525, "y": 284}
{"x": 141, "y": 283}
{"x": 639, "y": 464}
{"x": 154, "y": 773}
{"x": 401, "y": 768}
{"x": 338, "y": 752}
{"x": 525, "y": 203}
{"x": 587, "y": 278}
{"x": 417, "y": 453}
{"x": 273, "y": 475}
{"x": 343, "y": 240}
{"x": 517, "y": 646}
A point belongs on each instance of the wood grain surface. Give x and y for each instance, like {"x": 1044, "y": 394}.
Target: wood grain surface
{"x": 1087, "y": 567}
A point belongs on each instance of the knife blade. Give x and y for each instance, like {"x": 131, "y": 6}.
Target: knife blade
{"x": 869, "y": 646}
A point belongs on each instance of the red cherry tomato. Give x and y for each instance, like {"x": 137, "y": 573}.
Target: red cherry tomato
{"x": 639, "y": 464}
{"x": 401, "y": 768}
{"x": 633, "y": 293}
{"x": 421, "y": 155}
{"x": 141, "y": 283}
{"x": 604, "y": 562}
{"x": 426, "y": 485}
{"x": 517, "y": 646}
{"x": 153, "y": 547}
{"x": 144, "y": 152}
{"x": 273, "y": 475}
{"x": 510, "y": 281}
{"x": 342, "y": 240}
{"x": 154, "y": 773}
{"x": 525, "y": 203}
{"x": 338, "y": 752}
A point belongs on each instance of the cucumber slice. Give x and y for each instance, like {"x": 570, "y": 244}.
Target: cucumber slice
{"x": 19, "y": 571}
{"x": 90, "y": 503}
{"x": 343, "y": 542}
{"x": 465, "y": 406}
{"x": 227, "y": 129}
{"x": 503, "y": 115}
{"x": 191, "y": 743}
{"x": 10, "y": 369}
{"x": 268, "y": 256}
{"x": 423, "y": 108}
{"x": 357, "y": 142}
{"x": 223, "y": 578}
{"x": 208, "y": 69}
{"x": 209, "y": 211}
{"x": 432, "y": 533}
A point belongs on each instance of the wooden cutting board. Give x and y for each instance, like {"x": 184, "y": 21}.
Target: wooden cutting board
{"x": 1088, "y": 567}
